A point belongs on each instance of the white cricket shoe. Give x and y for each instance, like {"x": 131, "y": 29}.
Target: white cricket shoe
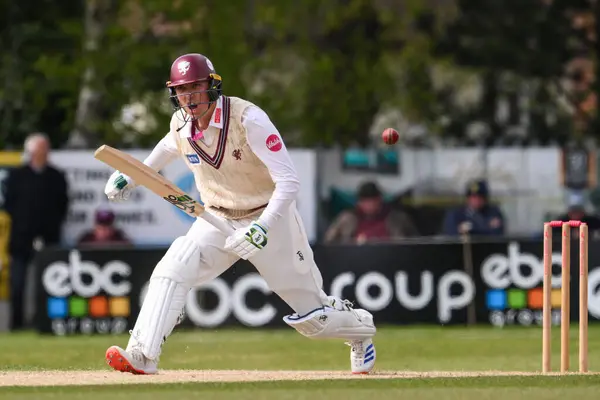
{"x": 132, "y": 361}
{"x": 362, "y": 356}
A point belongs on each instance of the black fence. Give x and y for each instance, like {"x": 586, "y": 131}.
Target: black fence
{"x": 100, "y": 291}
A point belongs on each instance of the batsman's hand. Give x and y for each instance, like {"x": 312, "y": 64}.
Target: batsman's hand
{"x": 245, "y": 242}
{"x": 119, "y": 187}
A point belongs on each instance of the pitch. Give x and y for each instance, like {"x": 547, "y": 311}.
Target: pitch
{"x": 415, "y": 362}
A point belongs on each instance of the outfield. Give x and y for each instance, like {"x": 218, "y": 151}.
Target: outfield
{"x": 413, "y": 362}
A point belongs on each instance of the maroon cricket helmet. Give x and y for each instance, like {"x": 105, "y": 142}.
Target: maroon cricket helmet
{"x": 190, "y": 68}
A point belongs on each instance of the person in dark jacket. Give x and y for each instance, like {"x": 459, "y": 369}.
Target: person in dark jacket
{"x": 477, "y": 216}
{"x": 36, "y": 200}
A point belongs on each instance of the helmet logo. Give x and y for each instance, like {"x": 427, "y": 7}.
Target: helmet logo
{"x": 184, "y": 67}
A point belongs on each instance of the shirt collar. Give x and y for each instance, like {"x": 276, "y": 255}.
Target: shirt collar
{"x": 217, "y": 117}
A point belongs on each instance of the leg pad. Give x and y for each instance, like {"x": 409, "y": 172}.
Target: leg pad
{"x": 331, "y": 323}
{"x": 165, "y": 299}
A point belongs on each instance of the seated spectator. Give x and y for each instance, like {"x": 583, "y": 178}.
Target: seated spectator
{"x": 477, "y": 216}
{"x": 371, "y": 219}
{"x": 104, "y": 231}
{"x": 577, "y": 212}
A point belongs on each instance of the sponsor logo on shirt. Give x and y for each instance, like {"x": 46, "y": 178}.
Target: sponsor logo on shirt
{"x": 274, "y": 143}
{"x": 193, "y": 158}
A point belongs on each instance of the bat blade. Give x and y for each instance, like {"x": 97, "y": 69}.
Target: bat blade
{"x": 145, "y": 176}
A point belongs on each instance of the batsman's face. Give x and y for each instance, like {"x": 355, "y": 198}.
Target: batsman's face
{"x": 193, "y": 97}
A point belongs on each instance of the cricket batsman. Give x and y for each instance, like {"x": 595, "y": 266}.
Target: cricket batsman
{"x": 246, "y": 178}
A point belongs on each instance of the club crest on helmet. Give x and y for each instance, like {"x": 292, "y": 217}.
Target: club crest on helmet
{"x": 184, "y": 67}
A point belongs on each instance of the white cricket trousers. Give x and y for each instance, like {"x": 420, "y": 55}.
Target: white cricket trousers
{"x": 286, "y": 263}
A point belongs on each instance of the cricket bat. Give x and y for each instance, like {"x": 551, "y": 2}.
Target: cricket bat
{"x": 145, "y": 176}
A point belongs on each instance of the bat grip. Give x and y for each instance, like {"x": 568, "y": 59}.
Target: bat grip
{"x": 217, "y": 223}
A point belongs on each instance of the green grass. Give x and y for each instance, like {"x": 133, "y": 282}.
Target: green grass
{"x": 516, "y": 388}
{"x": 399, "y": 348}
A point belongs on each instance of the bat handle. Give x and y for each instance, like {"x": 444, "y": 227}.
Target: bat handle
{"x": 217, "y": 223}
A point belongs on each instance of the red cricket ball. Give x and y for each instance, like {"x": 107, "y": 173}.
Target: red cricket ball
{"x": 390, "y": 136}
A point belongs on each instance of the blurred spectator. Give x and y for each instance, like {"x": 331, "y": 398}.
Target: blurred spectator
{"x": 576, "y": 212}
{"x": 36, "y": 199}
{"x": 104, "y": 231}
{"x": 477, "y": 216}
{"x": 370, "y": 219}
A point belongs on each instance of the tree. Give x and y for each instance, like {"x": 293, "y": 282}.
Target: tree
{"x": 321, "y": 77}
{"x": 521, "y": 52}
{"x": 40, "y": 58}
{"x": 88, "y": 116}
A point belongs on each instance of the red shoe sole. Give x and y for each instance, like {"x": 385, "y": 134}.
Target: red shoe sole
{"x": 116, "y": 361}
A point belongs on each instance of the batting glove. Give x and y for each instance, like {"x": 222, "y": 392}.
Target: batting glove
{"x": 246, "y": 242}
{"x": 119, "y": 187}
